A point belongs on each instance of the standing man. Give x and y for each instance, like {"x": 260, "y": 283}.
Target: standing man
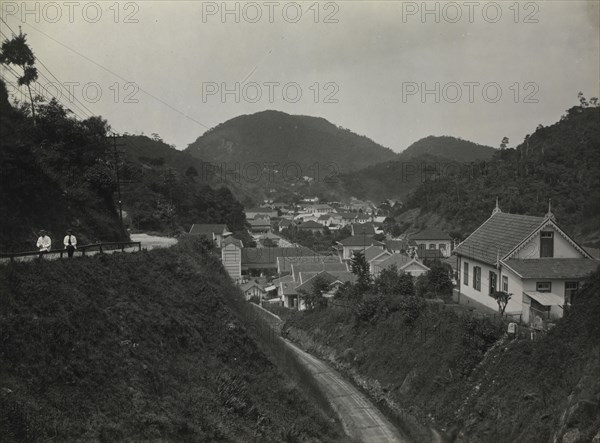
{"x": 43, "y": 243}
{"x": 70, "y": 243}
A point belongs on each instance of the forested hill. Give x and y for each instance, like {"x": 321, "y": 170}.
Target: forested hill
{"x": 449, "y": 147}
{"x": 168, "y": 190}
{"x": 399, "y": 177}
{"x": 559, "y": 162}
{"x": 55, "y": 175}
{"x": 60, "y": 173}
{"x": 277, "y": 137}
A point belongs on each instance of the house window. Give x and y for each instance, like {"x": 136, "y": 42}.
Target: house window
{"x": 543, "y": 286}
{"x": 477, "y": 278}
{"x": 431, "y": 245}
{"x": 466, "y": 274}
{"x": 547, "y": 244}
{"x": 571, "y": 288}
{"x": 493, "y": 278}
{"x": 504, "y": 283}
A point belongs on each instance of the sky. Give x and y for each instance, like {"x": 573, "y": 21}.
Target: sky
{"x": 395, "y": 71}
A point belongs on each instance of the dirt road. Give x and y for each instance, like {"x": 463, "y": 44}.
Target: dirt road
{"x": 361, "y": 419}
{"x": 153, "y": 241}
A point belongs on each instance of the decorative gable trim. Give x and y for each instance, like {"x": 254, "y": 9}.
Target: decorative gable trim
{"x": 547, "y": 222}
{"x": 377, "y": 257}
{"x": 417, "y": 262}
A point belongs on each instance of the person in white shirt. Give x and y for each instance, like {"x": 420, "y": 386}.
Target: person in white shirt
{"x": 43, "y": 243}
{"x": 70, "y": 242}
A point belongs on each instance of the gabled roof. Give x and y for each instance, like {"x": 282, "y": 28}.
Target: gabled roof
{"x": 431, "y": 234}
{"x": 285, "y": 222}
{"x": 245, "y": 286}
{"x": 497, "y": 236}
{"x": 360, "y": 240}
{"x": 284, "y": 264}
{"x": 208, "y": 229}
{"x": 552, "y": 268}
{"x": 327, "y": 276}
{"x": 401, "y": 261}
{"x": 325, "y": 217}
{"x": 234, "y": 241}
{"x": 267, "y": 257}
{"x": 311, "y": 224}
{"x": 375, "y": 251}
{"x": 316, "y": 267}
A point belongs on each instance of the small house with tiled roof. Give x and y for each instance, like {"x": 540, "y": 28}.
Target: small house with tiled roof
{"x": 433, "y": 239}
{"x": 311, "y": 226}
{"x": 402, "y": 262}
{"x": 215, "y": 231}
{"x": 530, "y": 257}
{"x": 356, "y": 243}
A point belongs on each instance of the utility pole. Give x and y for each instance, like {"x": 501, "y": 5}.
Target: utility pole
{"x": 120, "y": 203}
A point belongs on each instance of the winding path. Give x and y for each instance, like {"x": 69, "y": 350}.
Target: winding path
{"x": 361, "y": 419}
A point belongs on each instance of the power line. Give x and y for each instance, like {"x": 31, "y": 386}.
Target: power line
{"x": 111, "y": 72}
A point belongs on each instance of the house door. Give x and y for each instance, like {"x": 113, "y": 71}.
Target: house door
{"x": 493, "y": 282}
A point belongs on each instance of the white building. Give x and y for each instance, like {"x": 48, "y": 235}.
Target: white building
{"x": 530, "y": 257}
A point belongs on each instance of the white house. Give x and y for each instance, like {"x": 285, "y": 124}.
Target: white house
{"x": 530, "y": 257}
{"x": 231, "y": 257}
{"x": 433, "y": 239}
{"x": 252, "y": 289}
{"x": 356, "y": 243}
{"x": 402, "y": 262}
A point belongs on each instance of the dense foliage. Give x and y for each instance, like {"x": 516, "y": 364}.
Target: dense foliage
{"x": 422, "y": 160}
{"x": 148, "y": 346}
{"x": 55, "y": 174}
{"x": 559, "y": 162}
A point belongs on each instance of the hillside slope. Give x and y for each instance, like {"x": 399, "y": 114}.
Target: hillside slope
{"x": 277, "y": 137}
{"x": 424, "y": 159}
{"x": 56, "y": 174}
{"x": 451, "y": 148}
{"x": 168, "y": 190}
{"x": 558, "y": 162}
{"x": 151, "y": 346}
{"x": 462, "y": 375}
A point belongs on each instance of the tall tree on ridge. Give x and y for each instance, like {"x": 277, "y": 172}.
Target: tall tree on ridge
{"x": 17, "y": 52}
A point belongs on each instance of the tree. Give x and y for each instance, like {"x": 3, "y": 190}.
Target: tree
{"x": 360, "y": 268}
{"x": 392, "y": 282}
{"x": 396, "y": 230}
{"x": 314, "y": 299}
{"x": 438, "y": 280}
{"x": 17, "y": 52}
{"x": 504, "y": 143}
{"x": 502, "y": 299}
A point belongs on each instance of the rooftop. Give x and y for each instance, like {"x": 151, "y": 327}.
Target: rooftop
{"x": 360, "y": 240}
{"x": 207, "y": 229}
{"x": 553, "y": 268}
{"x": 497, "y": 236}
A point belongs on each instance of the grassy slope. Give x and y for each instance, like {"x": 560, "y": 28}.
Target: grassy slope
{"x": 149, "y": 345}
{"x": 438, "y": 367}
